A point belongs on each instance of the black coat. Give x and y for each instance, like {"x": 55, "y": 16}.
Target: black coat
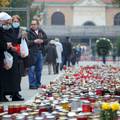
{"x": 12, "y": 78}
{"x": 33, "y": 36}
{"x": 3, "y": 47}
{"x": 67, "y": 49}
{"x": 34, "y": 48}
{"x": 51, "y": 54}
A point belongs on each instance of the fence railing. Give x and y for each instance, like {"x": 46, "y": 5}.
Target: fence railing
{"x": 83, "y": 31}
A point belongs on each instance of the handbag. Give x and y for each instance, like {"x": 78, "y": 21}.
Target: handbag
{"x": 8, "y": 60}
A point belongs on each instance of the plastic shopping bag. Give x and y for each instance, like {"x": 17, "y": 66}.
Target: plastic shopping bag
{"x": 24, "y": 51}
{"x": 8, "y": 60}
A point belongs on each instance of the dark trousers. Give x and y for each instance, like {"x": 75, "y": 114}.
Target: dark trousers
{"x": 65, "y": 61}
{"x": 50, "y": 65}
{"x": 57, "y": 67}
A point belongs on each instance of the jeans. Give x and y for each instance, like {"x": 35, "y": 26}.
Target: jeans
{"x": 35, "y": 71}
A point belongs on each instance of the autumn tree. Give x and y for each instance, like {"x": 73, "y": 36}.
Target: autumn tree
{"x": 5, "y": 3}
{"x": 22, "y": 14}
{"x": 20, "y": 3}
{"x": 116, "y": 2}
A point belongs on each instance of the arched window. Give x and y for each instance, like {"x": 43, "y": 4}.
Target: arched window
{"x": 117, "y": 19}
{"x": 58, "y": 18}
{"x": 89, "y": 23}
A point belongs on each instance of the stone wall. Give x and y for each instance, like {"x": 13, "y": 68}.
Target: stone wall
{"x": 93, "y": 14}
{"x": 67, "y": 11}
{"x": 110, "y": 13}
{"x": 77, "y": 16}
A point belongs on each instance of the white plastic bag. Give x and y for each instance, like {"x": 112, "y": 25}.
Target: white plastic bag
{"x": 8, "y": 60}
{"x": 24, "y": 51}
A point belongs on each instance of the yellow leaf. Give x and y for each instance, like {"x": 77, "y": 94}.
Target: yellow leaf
{"x": 5, "y": 3}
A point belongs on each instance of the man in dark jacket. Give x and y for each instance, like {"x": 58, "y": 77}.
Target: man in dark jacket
{"x": 67, "y": 52}
{"x": 37, "y": 39}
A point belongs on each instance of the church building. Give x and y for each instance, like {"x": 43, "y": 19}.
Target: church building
{"x": 80, "y": 18}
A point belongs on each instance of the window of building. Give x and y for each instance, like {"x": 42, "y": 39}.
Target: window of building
{"x": 117, "y": 19}
{"x": 89, "y": 23}
{"x": 58, "y": 18}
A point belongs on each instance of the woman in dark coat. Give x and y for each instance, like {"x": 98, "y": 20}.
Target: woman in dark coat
{"x": 4, "y": 17}
{"x": 12, "y": 77}
{"x": 3, "y": 47}
{"x": 51, "y": 56}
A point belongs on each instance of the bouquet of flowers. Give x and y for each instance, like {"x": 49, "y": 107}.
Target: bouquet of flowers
{"x": 109, "y": 111}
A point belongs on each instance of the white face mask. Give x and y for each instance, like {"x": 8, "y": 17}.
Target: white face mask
{"x": 6, "y": 27}
{"x": 15, "y": 24}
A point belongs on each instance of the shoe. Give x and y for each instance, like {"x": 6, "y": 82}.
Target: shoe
{"x": 33, "y": 87}
{"x": 17, "y": 98}
{"x": 4, "y": 99}
{"x": 57, "y": 72}
{"x": 17, "y": 94}
{"x": 38, "y": 85}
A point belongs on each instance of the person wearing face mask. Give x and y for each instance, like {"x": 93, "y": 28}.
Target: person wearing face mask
{"x": 16, "y": 24}
{"x": 20, "y": 67}
{"x": 12, "y": 35}
{"x": 6, "y": 27}
{"x": 3, "y": 47}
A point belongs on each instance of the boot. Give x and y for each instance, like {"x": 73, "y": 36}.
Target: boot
{"x": 3, "y": 99}
{"x": 17, "y": 94}
{"x": 17, "y": 97}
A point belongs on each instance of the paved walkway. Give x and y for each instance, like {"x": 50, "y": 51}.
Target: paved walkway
{"x": 29, "y": 94}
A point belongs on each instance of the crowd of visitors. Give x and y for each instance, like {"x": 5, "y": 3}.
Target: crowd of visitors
{"x": 19, "y": 50}
{"x": 22, "y": 50}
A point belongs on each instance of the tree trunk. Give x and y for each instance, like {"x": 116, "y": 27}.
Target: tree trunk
{"x": 104, "y": 59}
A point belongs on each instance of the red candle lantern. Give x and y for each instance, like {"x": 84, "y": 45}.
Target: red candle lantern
{"x": 66, "y": 77}
{"x": 99, "y": 91}
{"x": 86, "y": 107}
{"x": 1, "y": 109}
{"x": 92, "y": 99}
{"x": 17, "y": 109}
{"x": 42, "y": 109}
{"x": 10, "y": 109}
{"x": 23, "y": 108}
{"x": 64, "y": 67}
